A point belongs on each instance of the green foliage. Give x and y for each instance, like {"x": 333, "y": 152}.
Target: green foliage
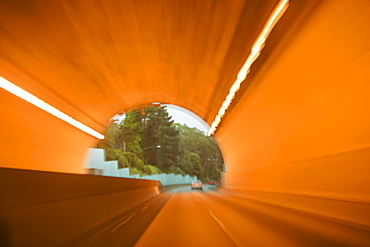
{"x": 138, "y": 163}
{"x": 157, "y": 130}
{"x": 148, "y": 169}
{"x": 123, "y": 162}
{"x": 130, "y": 133}
{"x": 194, "y": 161}
{"x": 110, "y": 134}
{"x": 111, "y": 154}
{"x": 183, "y": 150}
{"x": 194, "y": 141}
{"x": 134, "y": 171}
{"x": 176, "y": 170}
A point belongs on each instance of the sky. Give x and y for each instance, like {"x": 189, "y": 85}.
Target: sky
{"x": 182, "y": 116}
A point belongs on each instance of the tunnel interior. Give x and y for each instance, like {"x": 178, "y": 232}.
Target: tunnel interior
{"x": 297, "y": 131}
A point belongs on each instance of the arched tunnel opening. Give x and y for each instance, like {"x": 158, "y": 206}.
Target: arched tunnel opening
{"x": 290, "y": 110}
{"x": 150, "y": 141}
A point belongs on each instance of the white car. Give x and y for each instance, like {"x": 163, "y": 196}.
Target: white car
{"x": 196, "y": 185}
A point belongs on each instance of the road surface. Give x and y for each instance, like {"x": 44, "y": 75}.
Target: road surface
{"x": 183, "y": 217}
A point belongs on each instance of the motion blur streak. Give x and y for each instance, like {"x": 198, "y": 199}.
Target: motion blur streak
{"x": 297, "y": 136}
{"x": 255, "y": 52}
{"x": 19, "y": 92}
{"x": 227, "y": 219}
{"x": 183, "y": 222}
{"x": 99, "y": 211}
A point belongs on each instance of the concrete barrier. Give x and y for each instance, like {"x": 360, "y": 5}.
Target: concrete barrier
{"x": 49, "y": 209}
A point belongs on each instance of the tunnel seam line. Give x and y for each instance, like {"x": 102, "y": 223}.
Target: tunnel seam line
{"x": 124, "y": 222}
{"x": 328, "y": 198}
{"x": 66, "y": 199}
{"x": 133, "y": 214}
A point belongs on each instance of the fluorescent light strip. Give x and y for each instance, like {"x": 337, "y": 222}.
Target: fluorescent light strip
{"x": 255, "y": 52}
{"x": 17, "y": 91}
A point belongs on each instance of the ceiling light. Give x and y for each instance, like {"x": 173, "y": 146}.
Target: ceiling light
{"x": 255, "y": 52}
{"x": 10, "y": 87}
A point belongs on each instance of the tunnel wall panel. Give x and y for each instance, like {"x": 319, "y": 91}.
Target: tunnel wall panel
{"x": 340, "y": 176}
{"x": 302, "y": 123}
{"x": 34, "y": 139}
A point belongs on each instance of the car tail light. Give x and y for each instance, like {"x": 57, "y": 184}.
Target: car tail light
{"x": 200, "y": 184}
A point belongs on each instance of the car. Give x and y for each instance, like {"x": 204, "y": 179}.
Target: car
{"x": 197, "y": 185}
{"x": 212, "y": 182}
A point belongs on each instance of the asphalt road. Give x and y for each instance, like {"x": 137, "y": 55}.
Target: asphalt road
{"x": 183, "y": 217}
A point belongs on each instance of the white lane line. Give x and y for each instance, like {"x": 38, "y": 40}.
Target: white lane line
{"x": 217, "y": 220}
{"x": 122, "y": 223}
{"x": 223, "y": 227}
{"x": 198, "y": 200}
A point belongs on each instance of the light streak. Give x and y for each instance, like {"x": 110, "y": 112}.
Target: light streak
{"x": 255, "y": 52}
{"x": 30, "y": 98}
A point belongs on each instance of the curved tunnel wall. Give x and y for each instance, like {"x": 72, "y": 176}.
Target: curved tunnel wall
{"x": 93, "y": 60}
{"x": 33, "y": 139}
{"x": 299, "y": 125}
{"x": 302, "y": 124}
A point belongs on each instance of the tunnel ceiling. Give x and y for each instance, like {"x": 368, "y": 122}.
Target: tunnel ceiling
{"x": 92, "y": 59}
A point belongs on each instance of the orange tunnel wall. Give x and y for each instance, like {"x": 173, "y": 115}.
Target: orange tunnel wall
{"x": 33, "y": 139}
{"x": 302, "y": 125}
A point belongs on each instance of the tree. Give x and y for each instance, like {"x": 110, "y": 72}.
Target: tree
{"x": 110, "y": 136}
{"x": 129, "y": 137}
{"x": 158, "y": 131}
{"x": 197, "y": 168}
{"x": 175, "y": 170}
{"x": 183, "y": 150}
{"x": 151, "y": 170}
{"x": 194, "y": 141}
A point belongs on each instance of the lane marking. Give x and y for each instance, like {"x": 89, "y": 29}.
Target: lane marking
{"x": 216, "y": 219}
{"x": 223, "y": 227}
{"x": 122, "y": 223}
{"x": 198, "y": 200}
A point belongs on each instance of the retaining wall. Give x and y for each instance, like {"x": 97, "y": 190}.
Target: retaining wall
{"x": 97, "y": 165}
